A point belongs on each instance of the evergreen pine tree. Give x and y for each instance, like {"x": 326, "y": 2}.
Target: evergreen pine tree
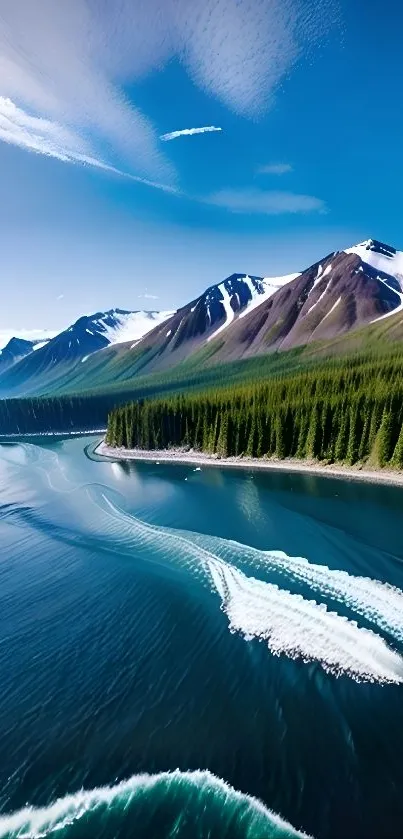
{"x": 280, "y": 449}
{"x": 397, "y": 459}
{"x": 353, "y": 437}
{"x": 383, "y": 443}
{"x": 313, "y": 437}
{"x": 340, "y": 449}
{"x": 222, "y": 442}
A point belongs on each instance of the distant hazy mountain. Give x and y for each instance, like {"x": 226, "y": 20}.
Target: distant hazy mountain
{"x": 14, "y": 350}
{"x": 49, "y": 359}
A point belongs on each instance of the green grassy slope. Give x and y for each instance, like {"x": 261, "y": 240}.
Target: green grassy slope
{"x": 119, "y": 367}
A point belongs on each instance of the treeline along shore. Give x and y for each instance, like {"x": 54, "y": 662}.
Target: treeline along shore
{"x": 338, "y": 410}
{"x": 346, "y": 413}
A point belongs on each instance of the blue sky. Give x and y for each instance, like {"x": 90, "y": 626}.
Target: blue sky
{"x": 98, "y": 210}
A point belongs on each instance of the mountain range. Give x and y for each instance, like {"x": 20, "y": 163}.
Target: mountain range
{"x": 24, "y": 364}
{"x": 241, "y": 317}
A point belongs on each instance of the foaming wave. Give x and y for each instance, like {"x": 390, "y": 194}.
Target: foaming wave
{"x": 289, "y": 623}
{"x": 379, "y": 603}
{"x": 198, "y": 803}
{"x": 300, "y": 628}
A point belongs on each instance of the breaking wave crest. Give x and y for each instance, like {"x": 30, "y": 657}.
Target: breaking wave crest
{"x": 379, "y": 603}
{"x": 300, "y": 628}
{"x": 291, "y": 624}
{"x": 170, "y": 805}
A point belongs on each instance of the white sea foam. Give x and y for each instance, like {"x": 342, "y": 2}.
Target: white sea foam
{"x": 379, "y": 603}
{"x": 300, "y": 628}
{"x": 32, "y": 823}
{"x": 291, "y": 624}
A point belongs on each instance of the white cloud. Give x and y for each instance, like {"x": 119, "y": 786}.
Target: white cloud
{"x": 185, "y": 132}
{"x": 149, "y": 296}
{"x": 275, "y": 169}
{"x": 60, "y": 297}
{"x": 56, "y": 62}
{"x": 37, "y": 134}
{"x": 49, "y": 138}
{"x": 239, "y": 50}
{"x": 265, "y": 202}
{"x": 69, "y": 63}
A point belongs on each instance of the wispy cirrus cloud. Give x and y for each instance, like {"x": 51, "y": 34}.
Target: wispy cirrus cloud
{"x": 265, "y": 202}
{"x": 70, "y": 62}
{"x": 275, "y": 169}
{"x": 240, "y": 50}
{"x": 188, "y": 132}
{"x": 45, "y": 137}
{"x": 61, "y": 62}
{"x": 41, "y": 135}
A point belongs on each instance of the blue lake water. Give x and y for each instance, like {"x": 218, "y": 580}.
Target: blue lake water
{"x": 197, "y": 653}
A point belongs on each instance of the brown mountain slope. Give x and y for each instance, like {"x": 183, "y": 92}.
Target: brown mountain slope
{"x": 328, "y": 300}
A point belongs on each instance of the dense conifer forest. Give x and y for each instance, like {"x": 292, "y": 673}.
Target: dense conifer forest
{"x": 350, "y": 411}
{"x": 86, "y": 410}
{"x": 59, "y": 414}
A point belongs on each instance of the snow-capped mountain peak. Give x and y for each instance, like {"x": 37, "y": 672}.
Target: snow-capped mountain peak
{"x": 95, "y": 332}
{"x": 89, "y": 334}
{"x": 387, "y": 265}
{"x": 380, "y": 256}
{"x": 14, "y": 350}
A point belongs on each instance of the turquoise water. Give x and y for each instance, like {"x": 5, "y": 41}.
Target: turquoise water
{"x": 197, "y": 653}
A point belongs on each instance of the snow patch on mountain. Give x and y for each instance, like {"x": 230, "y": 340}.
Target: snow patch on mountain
{"x": 118, "y": 326}
{"x": 325, "y": 274}
{"x": 234, "y": 300}
{"x": 229, "y": 311}
{"x": 332, "y": 309}
{"x": 269, "y": 287}
{"x": 387, "y": 260}
{"x": 40, "y": 344}
{"x": 398, "y": 308}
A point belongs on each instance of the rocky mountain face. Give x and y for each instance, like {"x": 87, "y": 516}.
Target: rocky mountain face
{"x": 246, "y": 316}
{"x": 332, "y": 297}
{"x": 209, "y": 316}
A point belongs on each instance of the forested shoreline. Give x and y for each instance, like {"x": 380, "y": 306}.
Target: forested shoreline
{"x": 342, "y": 410}
{"x": 349, "y": 413}
{"x": 53, "y": 414}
